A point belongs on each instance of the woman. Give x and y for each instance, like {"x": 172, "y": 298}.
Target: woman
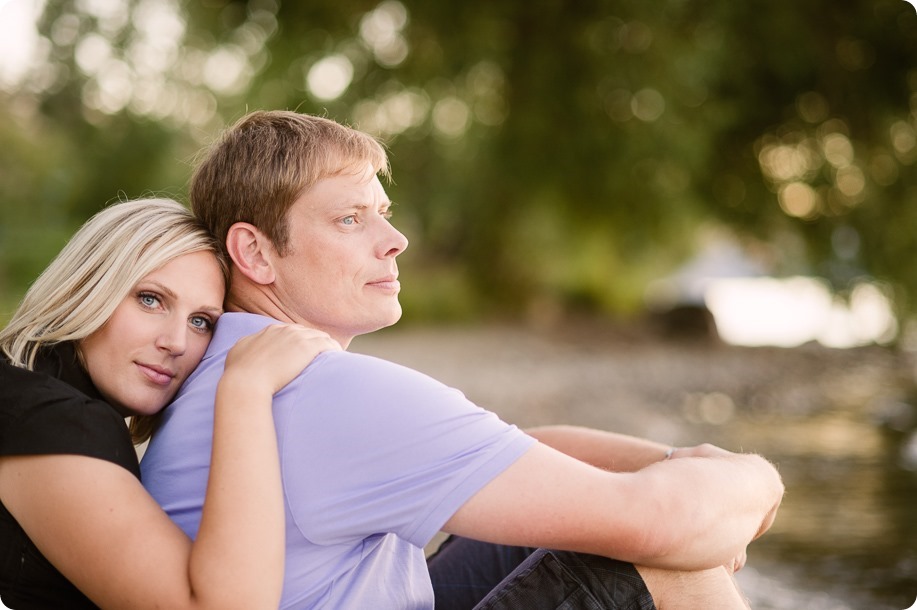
{"x": 111, "y": 329}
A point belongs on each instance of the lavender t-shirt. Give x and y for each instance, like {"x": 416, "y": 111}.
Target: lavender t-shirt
{"x": 375, "y": 459}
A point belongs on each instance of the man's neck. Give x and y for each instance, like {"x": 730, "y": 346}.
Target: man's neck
{"x": 268, "y": 307}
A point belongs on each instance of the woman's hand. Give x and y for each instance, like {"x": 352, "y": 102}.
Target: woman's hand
{"x": 275, "y": 355}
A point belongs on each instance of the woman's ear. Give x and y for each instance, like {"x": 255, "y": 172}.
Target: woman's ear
{"x": 251, "y": 252}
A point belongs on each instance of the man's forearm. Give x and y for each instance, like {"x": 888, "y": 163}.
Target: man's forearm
{"x": 727, "y": 513}
{"x": 605, "y": 450}
{"x": 689, "y": 513}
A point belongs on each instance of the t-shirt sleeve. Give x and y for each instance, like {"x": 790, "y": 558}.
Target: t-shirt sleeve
{"x": 41, "y": 415}
{"x": 372, "y": 447}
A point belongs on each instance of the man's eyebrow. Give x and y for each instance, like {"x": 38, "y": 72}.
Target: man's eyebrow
{"x": 354, "y": 205}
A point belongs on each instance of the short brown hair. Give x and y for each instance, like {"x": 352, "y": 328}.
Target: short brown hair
{"x": 262, "y": 164}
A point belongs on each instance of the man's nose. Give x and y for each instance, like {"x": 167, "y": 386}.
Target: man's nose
{"x": 394, "y": 242}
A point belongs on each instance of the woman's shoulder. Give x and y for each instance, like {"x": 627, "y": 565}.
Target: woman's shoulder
{"x": 22, "y": 390}
{"x": 41, "y": 415}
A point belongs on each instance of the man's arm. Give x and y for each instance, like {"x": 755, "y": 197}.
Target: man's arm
{"x": 685, "y": 514}
{"x": 606, "y": 450}
{"x": 613, "y": 451}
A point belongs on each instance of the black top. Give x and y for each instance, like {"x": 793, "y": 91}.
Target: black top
{"x": 55, "y": 410}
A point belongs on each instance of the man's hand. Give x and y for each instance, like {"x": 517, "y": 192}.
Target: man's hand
{"x": 712, "y": 451}
{"x": 707, "y": 450}
{"x": 704, "y": 450}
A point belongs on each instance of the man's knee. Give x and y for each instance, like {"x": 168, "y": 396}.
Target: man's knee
{"x": 714, "y": 589}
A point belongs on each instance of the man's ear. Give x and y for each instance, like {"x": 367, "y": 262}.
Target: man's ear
{"x": 251, "y": 252}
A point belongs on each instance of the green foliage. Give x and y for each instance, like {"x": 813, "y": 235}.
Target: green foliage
{"x": 543, "y": 152}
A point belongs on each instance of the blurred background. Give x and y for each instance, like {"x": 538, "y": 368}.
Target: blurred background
{"x": 728, "y": 182}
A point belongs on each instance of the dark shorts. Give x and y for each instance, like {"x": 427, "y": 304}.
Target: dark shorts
{"x": 469, "y": 574}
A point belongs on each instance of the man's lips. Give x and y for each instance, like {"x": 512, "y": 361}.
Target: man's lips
{"x": 156, "y": 374}
{"x": 387, "y": 283}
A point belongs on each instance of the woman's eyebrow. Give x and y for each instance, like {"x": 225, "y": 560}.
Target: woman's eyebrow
{"x": 217, "y": 311}
{"x": 159, "y": 286}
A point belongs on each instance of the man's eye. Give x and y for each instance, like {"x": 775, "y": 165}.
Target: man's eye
{"x": 349, "y": 220}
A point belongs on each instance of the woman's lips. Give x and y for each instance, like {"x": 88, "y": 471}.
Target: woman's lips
{"x": 156, "y": 374}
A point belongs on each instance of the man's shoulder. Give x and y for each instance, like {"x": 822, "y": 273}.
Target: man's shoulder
{"x": 356, "y": 379}
{"x": 231, "y": 327}
{"x": 365, "y": 368}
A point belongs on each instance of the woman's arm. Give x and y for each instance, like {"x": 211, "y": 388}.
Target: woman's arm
{"x": 94, "y": 521}
{"x": 243, "y": 508}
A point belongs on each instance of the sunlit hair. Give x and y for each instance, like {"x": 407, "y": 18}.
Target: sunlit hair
{"x": 262, "y": 164}
{"x": 100, "y": 265}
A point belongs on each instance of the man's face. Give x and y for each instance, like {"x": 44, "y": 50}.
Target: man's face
{"x": 340, "y": 274}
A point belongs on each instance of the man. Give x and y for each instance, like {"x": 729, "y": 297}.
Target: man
{"x": 376, "y": 458}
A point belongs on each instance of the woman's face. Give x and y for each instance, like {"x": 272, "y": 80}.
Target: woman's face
{"x": 157, "y": 335}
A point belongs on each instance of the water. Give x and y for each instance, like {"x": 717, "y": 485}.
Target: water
{"x": 847, "y": 529}
{"x": 846, "y": 535}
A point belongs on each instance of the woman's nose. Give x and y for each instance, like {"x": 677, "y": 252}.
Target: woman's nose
{"x": 173, "y": 338}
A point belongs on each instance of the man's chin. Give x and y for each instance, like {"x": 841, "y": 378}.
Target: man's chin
{"x": 391, "y": 319}
{"x": 396, "y": 315}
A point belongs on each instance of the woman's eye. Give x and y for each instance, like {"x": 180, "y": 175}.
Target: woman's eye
{"x": 149, "y": 300}
{"x": 201, "y": 323}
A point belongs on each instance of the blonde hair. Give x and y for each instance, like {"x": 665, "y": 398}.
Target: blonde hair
{"x": 80, "y": 289}
{"x": 262, "y": 164}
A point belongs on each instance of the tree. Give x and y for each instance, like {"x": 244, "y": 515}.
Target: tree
{"x": 548, "y": 154}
